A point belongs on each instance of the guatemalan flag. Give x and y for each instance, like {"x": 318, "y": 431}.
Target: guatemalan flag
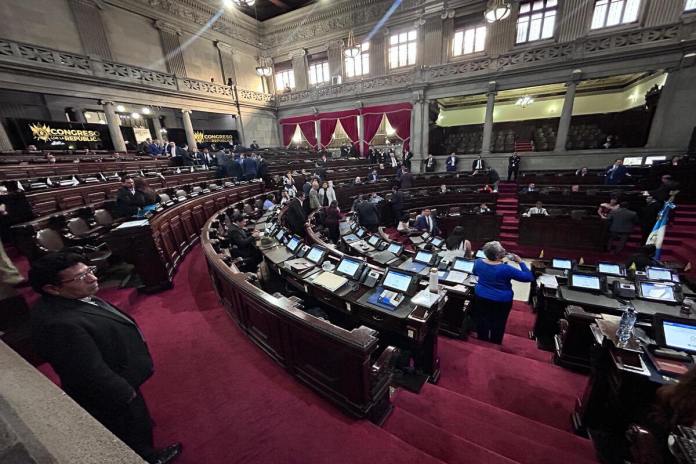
{"x": 658, "y": 233}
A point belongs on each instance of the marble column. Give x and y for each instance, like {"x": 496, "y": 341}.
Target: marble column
{"x": 300, "y": 69}
{"x": 662, "y": 114}
{"x": 419, "y": 131}
{"x": 171, "y": 45}
{"x": 567, "y": 111}
{"x": 5, "y": 143}
{"x": 240, "y": 129}
{"x": 361, "y": 136}
{"x": 157, "y": 126}
{"x": 188, "y": 128}
{"x": 114, "y": 123}
{"x": 488, "y": 121}
{"x": 317, "y": 130}
{"x": 90, "y": 27}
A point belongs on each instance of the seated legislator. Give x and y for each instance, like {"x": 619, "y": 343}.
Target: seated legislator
{"x": 457, "y": 242}
{"x": 426, "y": 223}
{"x": 529, "y": 188}
{"x": 126, "y": 201}
{"x": 145, "y": 195}
{"x": 243, "y": 241}
{"x": 493, "y": 291}
{"x": 481, "y": 209}
{"x": 582, "y": 172}
{"x": 536, "y": 210}
{"x": 268, "y": 202}
{"x": 97, "y": 350}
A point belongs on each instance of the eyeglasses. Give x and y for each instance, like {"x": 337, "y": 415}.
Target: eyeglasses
{"x": 82, "y": 276}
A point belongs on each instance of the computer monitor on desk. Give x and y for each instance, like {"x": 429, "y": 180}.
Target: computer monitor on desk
{"x": 587, "y": 282}
{"x": 361, "y": 232}
{"x": 562, "y": 263}
{"x": 480, "y": 254}
{"x": 374, "y": 240}
{"x": 395, "y": 248}
{"x": 611, "y": 269}
{"x": 463, "y": 265}
{"x": 317, "y": 255}
{"x": 350, "y": 267}
{"x": 658, "y": 274}
{"x": 437, "y": 242}
{"x": 425, "y": 257}
{"x": 294, "y": 243}
{"x": 663, "y": 292}
{"x": 678, "y": 333}
{"x": 280, "y": 235}
{"x": 399, "y": 281}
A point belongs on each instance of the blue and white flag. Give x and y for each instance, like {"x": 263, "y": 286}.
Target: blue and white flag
{"x": 657, "y": 235}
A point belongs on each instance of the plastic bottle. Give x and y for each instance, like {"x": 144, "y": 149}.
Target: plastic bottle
{"x": 628, "y": 320}
{"x": 432, "y": 282}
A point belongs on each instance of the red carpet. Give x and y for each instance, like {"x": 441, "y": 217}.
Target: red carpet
{"x": 229, "y": 403}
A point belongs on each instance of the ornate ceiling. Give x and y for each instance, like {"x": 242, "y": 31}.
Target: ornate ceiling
{"x": 265, "y": 9}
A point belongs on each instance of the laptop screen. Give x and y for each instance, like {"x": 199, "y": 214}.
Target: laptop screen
{"x": 658, "y": 273}
{"x": 681, "y": 336}
{"x": 294, "y": 243}
{"x": 480, "y": 254}
{"x": 463, "y": 265}
{"x": 437, "y": 242}
{"x": 349, "y": 267}
{"x": 373, "y": 240}
{"x": 609, "y": 268}
{"x": 395, "y": 248}
{"x": 279, "y": 235}
{"x": 658, "y": 292}
{"x": 423, "y": 257}
{"x": 561, "y": 263}
{"x": 585, "y": 281}
{"x": 397, "y": 281}
{"x": 316, "y": 254}
{"x": 361, "y": 232}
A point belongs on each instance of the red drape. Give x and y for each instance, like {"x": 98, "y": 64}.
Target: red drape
{"x": 371, "y": 124}
{"x": 328, "y": 126}
{"x": 401, "y": 122}
{"x": 350, "y": 126}
{"x": 308, "y": 129}
{"x": 288, "y": 132}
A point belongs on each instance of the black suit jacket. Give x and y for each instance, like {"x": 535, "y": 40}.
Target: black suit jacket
{"x": 622, "y": 220}
{"x": 242, "y": 239}
{"x": 295, "y": 217}
{"x": 126, "y": 202}
{"x": 476, "y": 161}
{"x": 430, "y": 164}
{"x": 367, "y": 213}
{"x": 100, "y": 356}
{"x": 397, "y": 200}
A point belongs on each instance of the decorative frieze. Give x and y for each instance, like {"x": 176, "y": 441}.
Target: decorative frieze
{"x": 640, "y": 37}
{"x": 134, "y": 74}
{"x": 255, "y": 98}
{"x": 42, "y": 56}
{"x": 205, "y": 87}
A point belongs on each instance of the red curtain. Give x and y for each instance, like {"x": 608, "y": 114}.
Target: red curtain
{"x": 288, "y": 132}
{"x": 308, "y": 129}
{"x": 350, "y": 126}
{"x": 401, "y": 122}
{"x": 371, "y": 123}
{"x": 328, "y": 126}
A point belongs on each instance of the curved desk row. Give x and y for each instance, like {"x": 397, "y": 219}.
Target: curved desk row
{"x": 349, "y": 367}
{"x": 22, "y": 171}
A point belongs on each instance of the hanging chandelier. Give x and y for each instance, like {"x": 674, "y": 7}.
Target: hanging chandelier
{"x": 524, "y": 101}
{"x": 352, "y": 49}
{"x": 264, "y": 69}
{"x": 497, "y": 10}
{"x": 246, "y": 3}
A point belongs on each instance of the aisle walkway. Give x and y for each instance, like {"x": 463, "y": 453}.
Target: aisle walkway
{"x": 229, "y": 403}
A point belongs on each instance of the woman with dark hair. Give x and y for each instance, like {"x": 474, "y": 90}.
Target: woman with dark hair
{"x": 332, "y": 216}
{"x": 144, "y": 194}
{"x": 457, "y": 242}
{"x": 493, "y": 291}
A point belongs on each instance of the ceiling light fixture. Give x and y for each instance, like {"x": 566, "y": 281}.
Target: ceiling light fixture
{"x": 120, "y": 108}
{"x": 145, "y": 110}
{"x": 352, "y": 49}
{"x": 264, "y": 69}
{"x": 524, "y": 101}
{"x": 497, "y": 10}
{"x": 135, "y": 115}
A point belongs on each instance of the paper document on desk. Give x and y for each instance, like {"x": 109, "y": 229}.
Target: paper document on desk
{"x": 426, "y": 298}
{"x": 548, "y": 281}
{"x": 330, "y": 281}
{"x": 138, "y": 223}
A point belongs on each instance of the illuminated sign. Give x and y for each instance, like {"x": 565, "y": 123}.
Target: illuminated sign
{"x": 207, "y": 137}
{"x": 45, "y": 133}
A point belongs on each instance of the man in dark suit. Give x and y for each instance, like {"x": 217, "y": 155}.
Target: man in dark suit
{"x": 250, "y": 168}
{"x": 373, "y": 176}
{"x": 185, "y": 155}
{"x": 126, "y": 202}
{"x": 452, "y": 163}
{"x": 233, "y": 168}
{"x": 254, "y": 145}
{"x": 243, "y": 241}
{"x": 616, "y": 173}
{"x": 406, "y": 179}
{"x": 368, "y": 216}
{"x": 513, "y": 166}
{"x": 295, "y": 215}
{"x": 397, "y": 204}
{"x": 97, "y": 351}
{"x": 426, "y": 223}
{"x": 478, "y": 164}
{"x": 648, "y": 215}
{"x": 621, "y": 222}
{"x": 372, "y": 155}
{"x": 406, "y": 158}
{"x": 430, "y": 163}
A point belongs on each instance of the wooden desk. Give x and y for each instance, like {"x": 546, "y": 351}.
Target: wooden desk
{"x": 563, "y": 232}
{"x": 156, "y": 248}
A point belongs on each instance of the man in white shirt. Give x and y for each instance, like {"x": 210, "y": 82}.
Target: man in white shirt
{"x": 538, "y": 209}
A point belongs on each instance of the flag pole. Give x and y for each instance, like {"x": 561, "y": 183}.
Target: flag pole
{"x": 657, "y": 236}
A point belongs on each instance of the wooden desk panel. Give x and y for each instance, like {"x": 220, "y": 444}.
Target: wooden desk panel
{"x": 563, "y": 232}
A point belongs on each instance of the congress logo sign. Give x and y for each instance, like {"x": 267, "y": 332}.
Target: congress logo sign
{"x": 202, "y": 137}
{"x": 45, "y": 133}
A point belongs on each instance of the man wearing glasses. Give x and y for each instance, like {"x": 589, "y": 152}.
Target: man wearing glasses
{"x": 97, "y": 350}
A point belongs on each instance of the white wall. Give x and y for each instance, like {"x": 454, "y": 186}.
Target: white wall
{"x": 201, "y": 58}
{"x": 133, "y": 39}
{"x": 49, "y": 23}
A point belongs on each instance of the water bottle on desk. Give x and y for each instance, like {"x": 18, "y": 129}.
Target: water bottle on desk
{"x": 628, "y": 320}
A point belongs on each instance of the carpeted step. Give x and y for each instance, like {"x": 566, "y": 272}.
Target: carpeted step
{"x": 486, "y": 424}
{"x": 519, "y": 323}
{"x": 534, "y": 389}
{"x": 519, "y": 346}
{"x": 440, "y": 443}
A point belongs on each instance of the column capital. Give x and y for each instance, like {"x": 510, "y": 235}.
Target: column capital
{"x": 166, "y": 27}
{"x": 106, "y": 102}
{"x": 492, "y": 88}
{"x": 447, "y": 14}
{"x": 223, "y": 46}
{"x": 575, "y": 76}
{"x": 186, "y": 110}
{"x": 297, "y": 54}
